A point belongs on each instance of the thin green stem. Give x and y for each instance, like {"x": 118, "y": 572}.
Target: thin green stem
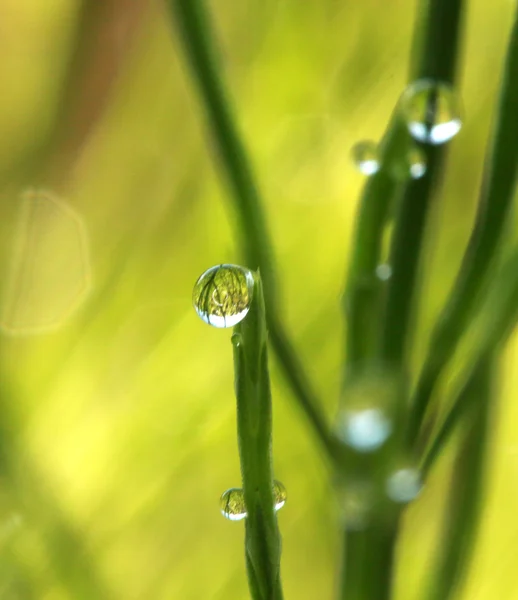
{"x": 462, "y": 517}
{"x": 197, "y": 37}
{"x": 363, "y": 289}
{"x": 439, "y": 57}
{"x": 368, "y": 562}
{"x": 500, "y": 315}
{"x": 254, "y": 418}
{"x": 495, "y": 202}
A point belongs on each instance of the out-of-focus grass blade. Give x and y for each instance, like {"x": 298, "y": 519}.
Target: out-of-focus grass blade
{"x": 455, "y": 549}
{"x": 254, "y": 417}
{"x": 495, "y": 202}
{"x": 499, "y": 316}
{"x": 438, "y": 61}
{"x": 196, "y": 34}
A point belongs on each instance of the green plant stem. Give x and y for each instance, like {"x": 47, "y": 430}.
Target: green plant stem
{"x": 467, "y": 484}
{"x": 500, "y": 314}
{"x": 495, "y": 202}
{"x": 439, "y": 56}
{"x": 195, "y": 31}
{"x": 368, "y": 561}
{"x": 363, "y": 289}
{"x": 254, "y": 418}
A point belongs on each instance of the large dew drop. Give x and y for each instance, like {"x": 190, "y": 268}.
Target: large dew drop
{"x": 366, "y": 158}
{"x": 222, "y": 295}
{"x": 431, "y": 111}
{"x": 232, "y": 504}
{"x": 364, "y": 430}
{"x": 404, "y": 485}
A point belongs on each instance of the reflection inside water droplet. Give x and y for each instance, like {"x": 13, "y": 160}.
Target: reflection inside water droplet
{"x": 280, "y": 495}
{"x": 431, "y": 111}
{"x": 384, "y": 272}
{"x": 232, "y": 504}
{"x": 366, "y": 158}
{"x": 364, "y": 430}
{"x": 222, "y": 295}
{"x": 404, "y": 485}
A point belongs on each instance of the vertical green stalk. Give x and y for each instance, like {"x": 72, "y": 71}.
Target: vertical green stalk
{"x": 438, "y": 61}
{"x": 254, "y": 418}
{"x": 455, "y": 550}
{"x": 383, "y": 332}
{"x": 197, "y": 37}
{"x": 368, "y": 562}
{"x": 494, "y": 206}
{"x": 499, "y": 316}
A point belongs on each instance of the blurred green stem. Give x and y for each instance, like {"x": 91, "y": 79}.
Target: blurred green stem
{"x": 194, "y": 27}
{"x": 438, "y": 61}
{"x": 495, "y": 202}
{"x": 254, "y": 419}
{"x": 499, "y": 316}
{"x": 368, "y": 562}
{"x": 455, "y": 549}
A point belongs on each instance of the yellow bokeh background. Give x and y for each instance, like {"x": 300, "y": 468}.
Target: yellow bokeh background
{"x": 118, "y": 400}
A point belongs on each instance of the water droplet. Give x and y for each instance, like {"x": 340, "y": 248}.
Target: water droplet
{"x": 232, "y": 504}
{"x": 404, "y": 485}
{"x": 384, "y": 272}
{"x": 430, "y": 109}
{"x": 416, "y": 163}
{"x": 280, "y": 495}
{"x": 222, "y": 295}
{"x": 236, "y": 339}
{"x": 364, "y": 430}
{"x": 366, "y": 158}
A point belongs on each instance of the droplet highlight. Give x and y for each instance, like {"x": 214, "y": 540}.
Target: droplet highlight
{"x": 431, "y": 111}
{"x": 364, "y": 430}
{"x": 223, "y": 294}
{"x": 366, "y": 157}
{"x": 232, "y": 504}
{"x": 384, "y": 272}
{"x": 404, "y": 485}
{"x": 280, "y": 495}
{"x": 416, "y": 160}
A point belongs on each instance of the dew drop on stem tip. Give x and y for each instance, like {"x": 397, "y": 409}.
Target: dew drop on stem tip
{"x": 223, "y": 294}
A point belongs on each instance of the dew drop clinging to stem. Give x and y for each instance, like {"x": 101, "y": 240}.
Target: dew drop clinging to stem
{"x": 431, "y": 111}
{"x": 364, "y": 430}
{"x": 404, "y": 485}
{"x": 232, "y": 504}
{"x": 222, "y": 295}
{"x": 366, "y": 157}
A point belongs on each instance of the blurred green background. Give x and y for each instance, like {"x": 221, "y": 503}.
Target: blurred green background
{"x": 117, "y": 417}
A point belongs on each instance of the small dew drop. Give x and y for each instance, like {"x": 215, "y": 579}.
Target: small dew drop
{"x": 416, "y": 163}
{"x": 232, "y": 504}
{"x": 222, "y": 295}
{"x": 366, "y": 158}
{"x": 236, "y": 339}
{"x": 364, "y": 430}
{"x": 280, "y": 495}
{"x": 404, "y": 485}
{"x": 431, "y": 111}
{"x": 384, "y": 272}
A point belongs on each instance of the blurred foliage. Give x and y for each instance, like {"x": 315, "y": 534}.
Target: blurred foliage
{"x": 117, "y": 411}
